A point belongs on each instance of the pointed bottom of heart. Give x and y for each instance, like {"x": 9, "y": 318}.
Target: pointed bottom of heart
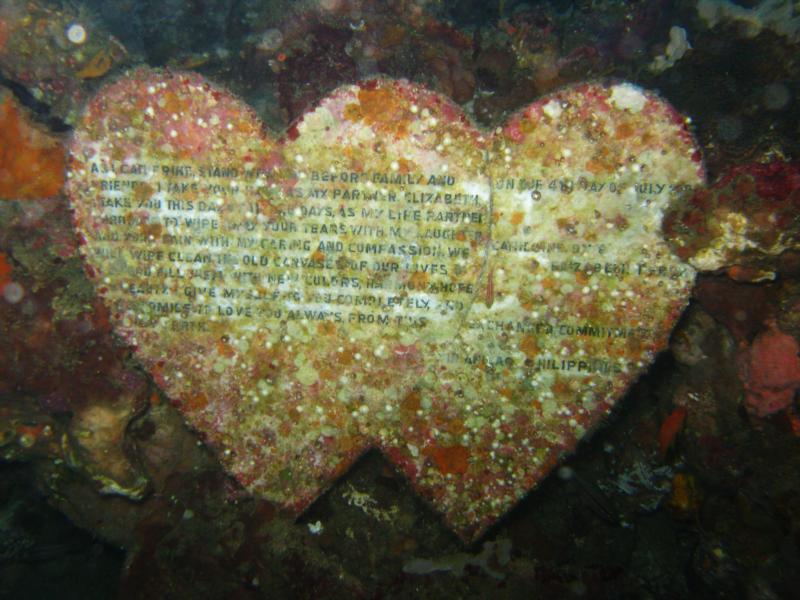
{"x": 463, "y": 485}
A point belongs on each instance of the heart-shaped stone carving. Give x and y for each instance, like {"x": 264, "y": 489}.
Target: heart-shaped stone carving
{"x": 386, "y": 275}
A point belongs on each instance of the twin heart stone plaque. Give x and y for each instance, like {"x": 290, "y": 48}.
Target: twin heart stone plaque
{"x": 385, "y": 275}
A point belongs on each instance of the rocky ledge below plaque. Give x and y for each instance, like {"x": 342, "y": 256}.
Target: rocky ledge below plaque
{"x": 385, "y": 275}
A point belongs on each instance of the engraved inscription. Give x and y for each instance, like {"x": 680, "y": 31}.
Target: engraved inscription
{"x": 368, "y": 248}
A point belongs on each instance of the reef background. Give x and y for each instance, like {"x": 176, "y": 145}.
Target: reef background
{"x": 689, "y": 491}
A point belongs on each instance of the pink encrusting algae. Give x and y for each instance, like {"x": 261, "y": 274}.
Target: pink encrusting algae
{"x": 741, "y": 223}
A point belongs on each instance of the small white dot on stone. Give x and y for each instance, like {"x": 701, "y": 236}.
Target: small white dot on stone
{"x": 76, "y": 33}
{"x": 13, "y": 292}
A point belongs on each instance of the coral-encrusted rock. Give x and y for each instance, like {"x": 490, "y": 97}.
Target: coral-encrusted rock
{"x": 770, "y": 371}
{"x": 66, "y": 391}
{"x": 55, "y": 53}
{"x": 364, "y": 283}
{"x": 742, "y": 222}
{"x": 31, "y": 159}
